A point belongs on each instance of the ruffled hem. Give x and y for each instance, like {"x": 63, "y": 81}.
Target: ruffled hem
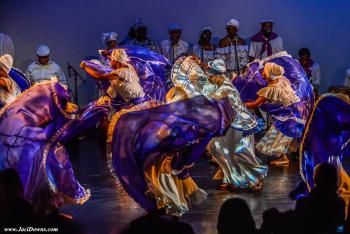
{"x": 279, "y": 95}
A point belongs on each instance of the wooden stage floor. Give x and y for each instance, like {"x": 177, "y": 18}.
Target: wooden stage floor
{"x": 109, "y": 210}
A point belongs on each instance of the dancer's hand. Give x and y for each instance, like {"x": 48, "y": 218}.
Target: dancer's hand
{"x": 104, "y": 100}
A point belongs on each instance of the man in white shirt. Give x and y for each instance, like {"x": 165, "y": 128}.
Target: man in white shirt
{"x": 347, "y": 78}
{"x": 6, "y": 45}
{"x": 311, "y": 68}
{"x": 174, "y": 47}
{"x": 44, "y": 68}
{"x": 266, "y": 42}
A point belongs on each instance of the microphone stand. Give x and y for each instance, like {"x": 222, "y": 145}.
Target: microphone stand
{"x": 236, "y": 55}
{"x": 73, "y": 72}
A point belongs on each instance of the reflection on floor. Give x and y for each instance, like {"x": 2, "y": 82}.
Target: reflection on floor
{"x": 109, "y": 210}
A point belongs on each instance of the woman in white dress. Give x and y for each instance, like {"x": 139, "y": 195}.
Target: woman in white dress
{"x": 278, "y": 91}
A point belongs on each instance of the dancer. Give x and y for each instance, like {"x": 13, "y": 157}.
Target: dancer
{"x": 239, "y": 168}
{"x": 33, "y": 130}
{"x": 278, "y": 91}
{"x": 326, "y": 139}
{"x": 152, "y": 144}
{"x": 8, "y": 87}
{"x": 288, "y": 117}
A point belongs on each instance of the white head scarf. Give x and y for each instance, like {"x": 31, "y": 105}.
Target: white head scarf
{"x": 267, "y": 20}
{"x": 6, "y": 62}
{"x": 205, "y": 28}
{"x": 110, "y": 36}
{"x": 273, "y": 70}
{"x": 233, "y": 22}
{"x": 120, "y": 56}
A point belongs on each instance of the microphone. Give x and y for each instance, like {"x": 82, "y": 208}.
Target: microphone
{"x": 69, "y": 70}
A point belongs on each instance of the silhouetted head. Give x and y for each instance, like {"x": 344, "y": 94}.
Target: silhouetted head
{"x": 11, "y": 184}
{"x": 326, "y": 178}
{"x": 235, "y": 216}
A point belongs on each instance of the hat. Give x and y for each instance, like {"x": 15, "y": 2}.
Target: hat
{"x": 110, "y": 36}
{"x": 43, "y": 50}
{"x": 267, "y": 20}
{"x": 139, "y": 23}
{"x": 233, "y": 22}
{"x": 205, "y": 28}
{"x": 173, "y": 27}
{"x": 217, "y": 66}
{"x": 120, "y": 56}
{"x": 6, "y": 62}
{"x": 273, "y": 70}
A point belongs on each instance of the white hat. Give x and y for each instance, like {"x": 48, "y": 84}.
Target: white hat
{"x": 205, "y": 28}
{"x": 110, "y": 36}
{"x": 173, "y": 27}
{"x": 218, "y": 65}
{"x": 233, "y": 22}
{"x": 6, "y": 62}
{"x": 43, "y": 50}
{"x": 267, "y": 20}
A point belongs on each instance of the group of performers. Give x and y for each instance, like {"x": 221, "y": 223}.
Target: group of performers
{"x": 162, "y": 118}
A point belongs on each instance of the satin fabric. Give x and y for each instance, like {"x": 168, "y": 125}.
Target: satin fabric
{"x": 143, "y": 134}
{"x": 32, "y": 129}
{"x": 152, "y": 69}
{"x": 327, "y": 135}
{"x": 289, "y": 120}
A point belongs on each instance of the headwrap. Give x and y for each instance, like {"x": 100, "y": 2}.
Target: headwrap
{"x": 173, "y": 27}
{"x": 120, "y": 56}
{"x": 43, "y": 50}
{"x": 110, "y": 36}
{"x": 6, "y": 62}
{"x": 217, "y": 67}
{"x": 273, "y": 71}
{"x": 205, "y": 28}
{"x": 139, "y": 23}
{"x": 232, "y": 22}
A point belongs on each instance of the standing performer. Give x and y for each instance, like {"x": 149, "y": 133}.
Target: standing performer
{"x": 110, "y": 40}
{"x": 235, "y": 154}
{"x": 265, "y": 43}
{"x": 205, "y": 49}
{"x": 233, "y": 49}
{"x": 174, "y": 47}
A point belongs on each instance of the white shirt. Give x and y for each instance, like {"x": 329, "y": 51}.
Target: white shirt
{"x": 315, "y": 78}
{"x": 228, "y": 54}
{"x": 6, "y": 45}
{"x": 172, "y": 52}
{"x": 208, "y": 55}
{"x": 347, "y": 78}
{"x": 37, "y": 72}
{"x": 255, "y": 48}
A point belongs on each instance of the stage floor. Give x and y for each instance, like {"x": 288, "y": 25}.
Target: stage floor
{"x": 109, "y": 210}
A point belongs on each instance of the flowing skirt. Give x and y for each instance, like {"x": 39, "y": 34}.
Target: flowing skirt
{"x": 152, "y": 146}
{"x": 235, "y": 155}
